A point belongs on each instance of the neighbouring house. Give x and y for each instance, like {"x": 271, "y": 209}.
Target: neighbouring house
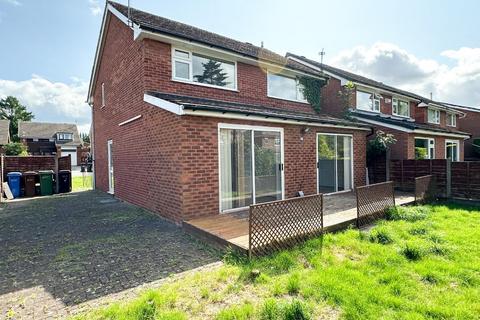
{"x": 190, "y": 123}
{"x": 43, "y": 138}
{"x": 471, "y": 124}
{"x": 4, "y": 132}
{"x": 423, "y": 128}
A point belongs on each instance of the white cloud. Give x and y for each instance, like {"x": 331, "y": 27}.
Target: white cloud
{"x": 95, "y": 8}
{"x": 13, "y": 2}
{"x": 51, "y": 101}
{"x": 388, "y": 63}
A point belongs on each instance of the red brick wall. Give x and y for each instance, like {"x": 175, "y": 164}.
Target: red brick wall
{"x": 331, "y": 102}
{"x": 252, "y": 81}
{"x": 470, "y": 124}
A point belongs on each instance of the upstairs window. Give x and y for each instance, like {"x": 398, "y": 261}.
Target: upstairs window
{"x": 434, "y": 116}
{"x": 201, "y": 69}
{"x": 283, "y": 87}
{"x": 400, "y": 108}
{"x": 64, "y": 136}
{"x": 368, "y": 101}
{"x": 451, "y": 119}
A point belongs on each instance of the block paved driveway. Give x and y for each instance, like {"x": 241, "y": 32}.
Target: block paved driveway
{"x": 62, "y": 251}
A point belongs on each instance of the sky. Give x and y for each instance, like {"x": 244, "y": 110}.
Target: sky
{"x": 48, "y": 46}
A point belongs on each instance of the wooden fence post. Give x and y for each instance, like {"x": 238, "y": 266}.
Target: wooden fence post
{"x": 387, "y": 165}
{"x": 469, "y": 190}
{"x": 449, "y": 177}
{"x": 57, "y": 183}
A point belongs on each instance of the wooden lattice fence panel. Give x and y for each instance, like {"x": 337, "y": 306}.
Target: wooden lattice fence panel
{"x": 373, "y": 201}
{"x": 425, "y": 189}
{"x": 282, "y": 224}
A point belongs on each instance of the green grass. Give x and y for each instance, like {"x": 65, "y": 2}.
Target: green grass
{"x": 423, "y": 263}
{"x": 81, "y": 184}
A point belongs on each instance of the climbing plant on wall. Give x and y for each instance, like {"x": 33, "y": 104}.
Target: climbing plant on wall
{"x": 311, "y": 89}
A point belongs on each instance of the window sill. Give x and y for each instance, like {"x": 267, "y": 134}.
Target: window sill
{"x": 367, "y": 110}
{"x": 204, "y": 85}
{"x": 285, "y": 99}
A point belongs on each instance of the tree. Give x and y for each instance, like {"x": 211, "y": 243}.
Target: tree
{"x": 85, "y": 137}
{"x": 212, "y": 74}
{"x": 11, "y": 109}
{"x": 379, "y": 146}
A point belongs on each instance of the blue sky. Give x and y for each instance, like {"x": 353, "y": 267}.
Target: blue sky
{"x": 425, "y": 46}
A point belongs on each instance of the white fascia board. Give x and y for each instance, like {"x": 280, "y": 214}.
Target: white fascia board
{"x": 387, "y": 125}
{"x": 235, "y": 116}
{"x": 191, "y": 44}
{"x": 443, "y": 134}
{"x": 164, "y": 104}
{"x": 443, "y": 108}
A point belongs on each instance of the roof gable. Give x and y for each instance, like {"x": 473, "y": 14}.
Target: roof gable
{"x": 45, "y": 130}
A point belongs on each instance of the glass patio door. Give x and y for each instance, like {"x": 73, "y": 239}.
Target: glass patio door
{"x": 251, "y": 167}
{"x": 334, "y": 166}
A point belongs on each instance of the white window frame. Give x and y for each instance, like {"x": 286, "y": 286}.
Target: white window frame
{"x": 437, "y": 118}
{"x": 190, "y": 69}
{"x": 457, "y": 142}
{"x": 376, "y": 98}
{"x": 253, "y": 129}
{"x": 451, "y": 115}
{"x": 431, "y": 146}
{"x": 395, "y": 102}
{"x": 281, "y": 98}
{"x": 111, "y": 173}
{"x": 336, "y": 162}
{"x": 103, "y": 94}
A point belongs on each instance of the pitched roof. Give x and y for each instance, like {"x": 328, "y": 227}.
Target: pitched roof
{"x": 154, "y": 23}
{"x": 405, "y": 123}
{"x": 364, "y": 80}
{"x": 4, "y": 132}
{"x": 46, "y": 130}
{"x": 193, "y": 103}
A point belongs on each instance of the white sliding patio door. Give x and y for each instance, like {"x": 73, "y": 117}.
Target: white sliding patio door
{"x": 334, "y": 163}
{"x": 251, "y": 165}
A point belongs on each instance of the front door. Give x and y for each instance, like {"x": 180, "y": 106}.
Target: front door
{"x": 110, "y": 167}
{"x": 334, "y": 163}
{"x": 251, "y": 165}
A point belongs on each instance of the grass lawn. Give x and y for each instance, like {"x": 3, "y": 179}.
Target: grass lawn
{"x": 424, "y": 263}
{"x": 80, "y": 183}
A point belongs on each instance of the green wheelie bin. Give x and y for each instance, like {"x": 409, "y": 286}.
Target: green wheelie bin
{"x": 46, "y": 182}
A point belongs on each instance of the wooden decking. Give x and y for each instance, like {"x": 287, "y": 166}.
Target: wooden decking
{"x": 231, "y": 229}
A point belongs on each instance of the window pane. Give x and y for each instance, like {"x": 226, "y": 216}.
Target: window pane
{"x": 344, "y": 163}
{"x": 326, "y": 164}
{"x": 402, "y": 108}
{"x": 364, "y": 100}
{"x": 282, "y": 87}
{"x": 235, "y": 168}
{"x": 268, "y": 180}
{"x": 182, "y": 54}
{"x": 212, "y": 71}
{"x": 182, "y": 70}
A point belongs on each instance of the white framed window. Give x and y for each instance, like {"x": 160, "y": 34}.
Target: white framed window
{"x": 451, "y": 119}
{"x": 103, "y": 94}
{"x": 452, "y": 150}
{"x": 284, "y": 87}
{"x": 433, "y": 116}
{"x": 368, "y": 101}
{"x": 203, "y": 70}
{"x": 424, "y": 148}
{"x": 401, "y": 108}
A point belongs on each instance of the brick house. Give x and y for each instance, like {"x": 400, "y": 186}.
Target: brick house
{"x": 470, "y": 123}
{"x": 44, "y": 138}
{"x": 189, "y": 123}
{"x": 415, "y": 121}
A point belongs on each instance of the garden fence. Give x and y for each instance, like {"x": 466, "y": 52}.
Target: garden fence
{"x": 373, "y": 201}
{"x": 281, "y": 224}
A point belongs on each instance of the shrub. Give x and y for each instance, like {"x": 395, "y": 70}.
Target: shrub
{"x": 407, "y": 213}
{"x": 421, "y": 153}
{"x": 296, "y": 310}
{"x": 412, "y": 252}
{"x": 15, "y": 149}
{"x": 380, "y": 235}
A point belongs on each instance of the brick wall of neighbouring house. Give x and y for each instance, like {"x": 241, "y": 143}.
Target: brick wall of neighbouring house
{"x": 470, "y": 124}
{"x": 252, "y": 81}
{"x": 30, "y": 163}
{"x": 200, "y": 179}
